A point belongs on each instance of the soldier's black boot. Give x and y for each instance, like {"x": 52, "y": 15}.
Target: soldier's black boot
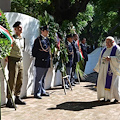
{"x": 9, "y": 103}
{"x": 19, "y": 101}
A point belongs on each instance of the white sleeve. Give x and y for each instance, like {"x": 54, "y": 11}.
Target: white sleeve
{"x": 97, "y": 67}
{"x": 115, "y": 62}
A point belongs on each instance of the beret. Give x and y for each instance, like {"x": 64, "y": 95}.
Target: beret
{"x": 17, "y": 24}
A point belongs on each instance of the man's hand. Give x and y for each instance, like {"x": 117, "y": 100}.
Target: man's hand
{"x": 108, "y": 58}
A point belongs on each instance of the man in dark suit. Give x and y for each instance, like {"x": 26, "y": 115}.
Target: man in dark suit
{"x": 41, "y": 53}
{"x": 76, "y": 57}
{"x": 84, "y": 50}
{"x": 69, "y": 47}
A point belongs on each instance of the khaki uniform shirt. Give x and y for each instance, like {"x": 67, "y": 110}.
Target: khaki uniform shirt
{"x": 18, "y": 47}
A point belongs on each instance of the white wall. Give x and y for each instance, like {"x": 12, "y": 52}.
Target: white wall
{"x": 92, "y": 60}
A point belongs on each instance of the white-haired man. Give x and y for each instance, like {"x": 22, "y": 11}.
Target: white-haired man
{"x": 108, "y": 67}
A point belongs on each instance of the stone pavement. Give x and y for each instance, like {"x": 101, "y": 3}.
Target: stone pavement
{"x": 79, "y": 104}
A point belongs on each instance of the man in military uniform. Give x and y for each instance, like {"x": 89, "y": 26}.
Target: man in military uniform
{"x": 15, "y": 66}
{"x": 84, "y": 51}
{"x": 41, "y": 53}
{"x": 70, "y": 57}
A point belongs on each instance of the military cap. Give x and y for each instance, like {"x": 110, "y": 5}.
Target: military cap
{"x": 17, "y": 24}
{"x": 46, "y": 27}
{"x": 69, "y": 35}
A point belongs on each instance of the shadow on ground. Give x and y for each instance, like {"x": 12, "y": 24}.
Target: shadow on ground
{"x": 78, "y": 106}
{"x": 91, "y": 87}
{"x": 92, "y": 78}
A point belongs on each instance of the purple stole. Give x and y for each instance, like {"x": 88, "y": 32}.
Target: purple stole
{"x": 109, "y": 72}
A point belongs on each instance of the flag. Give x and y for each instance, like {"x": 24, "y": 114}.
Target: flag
{"x": 6, "y": 33}
{"x": 79, "y": 66}
{"x": 81, "y": 54}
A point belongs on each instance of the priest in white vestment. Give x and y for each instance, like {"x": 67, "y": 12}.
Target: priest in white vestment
{"x": 108, "y": 67}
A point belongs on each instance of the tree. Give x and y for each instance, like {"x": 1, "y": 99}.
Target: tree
{"x": 60, "y": 9}
{"x": 105, "y": 21}
{"x": 64, "y": 11}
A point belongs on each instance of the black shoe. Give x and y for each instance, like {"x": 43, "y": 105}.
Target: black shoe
{"x": 66, "y": 86}
{"x": 10, "y": 104}
{"x": 115, "y": 101}
{"x": 19, "y": 101}
{"x": 108, "y": 100}
{"x": 75, "y": 82}
{"x": 103, "y": 100}
{"x": 72, "y": 84}
{"x": 45, "y": 94}
{"x": 38, "y": 97}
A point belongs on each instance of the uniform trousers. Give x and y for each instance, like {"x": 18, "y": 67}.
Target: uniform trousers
{"x": 39, "y": 81}
{"x": 15, "y": 67}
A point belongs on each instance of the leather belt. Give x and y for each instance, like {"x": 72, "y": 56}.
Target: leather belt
{"x": 14, "y": 59}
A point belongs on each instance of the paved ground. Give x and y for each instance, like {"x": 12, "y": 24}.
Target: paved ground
{"x": 79, "y": 104}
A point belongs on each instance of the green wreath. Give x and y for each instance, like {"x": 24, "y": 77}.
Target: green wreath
{"x": 5, "y": 36}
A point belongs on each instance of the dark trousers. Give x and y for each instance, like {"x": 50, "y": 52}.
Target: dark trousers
{"x": 73, "y": 72}
{"x": 39, "y": 81}
{"x": 15, "y": 67}
{"x": 68, "y": 71}
{"x": 84, "y": 65}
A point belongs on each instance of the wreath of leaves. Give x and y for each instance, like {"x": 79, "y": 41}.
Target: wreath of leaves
{"x": 5, "y": 45}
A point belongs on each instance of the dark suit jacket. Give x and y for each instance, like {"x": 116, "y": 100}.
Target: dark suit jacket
{"x": 70, "y": 56}
{"x": 84, "y": 51}
{"x": 42, "y": 58}
{"x": 76, "y": 52}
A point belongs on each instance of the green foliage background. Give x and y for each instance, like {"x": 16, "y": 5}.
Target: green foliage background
{"x": 36, "y": 8}
{"x": 106, "y": 21}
